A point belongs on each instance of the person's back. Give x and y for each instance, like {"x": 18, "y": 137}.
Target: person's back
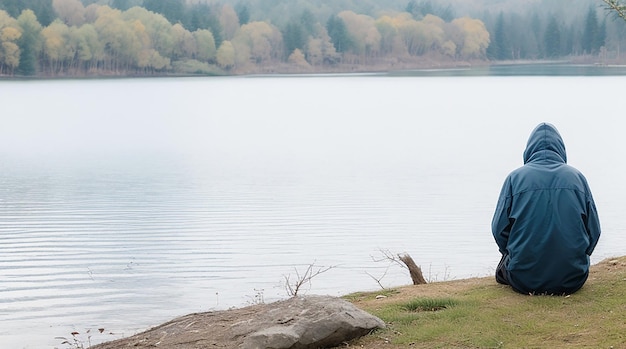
{"x": 546, "y": 225}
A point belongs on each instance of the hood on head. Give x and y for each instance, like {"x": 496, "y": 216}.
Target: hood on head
{"x": 544, "y": 140}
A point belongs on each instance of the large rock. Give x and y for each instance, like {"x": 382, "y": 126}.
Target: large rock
{"x": 297, "y": 323}
{"x": 306, "y": 322}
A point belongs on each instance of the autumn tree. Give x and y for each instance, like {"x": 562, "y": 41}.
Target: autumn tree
{"x": 258, "y": 42}
{"x": 320, "y": 49}
{"x": 363, "y": 32}
{"x": 226, "y": 55}
{"x": 206, "y": 49}
{"x": 297, "y": 59}
{"x": 56, "y": 45}
{"x": 421, "y": 36}
{"x": 89, "y": 48}
{"x": 159, "y": 31}
{"x": 10, "y": 33}
{"x": 475, "y": 38}
{"x": 389, "y": 38}
{"x": 184, "y": 43}
{"x": 229, "y": 22}
{"x": 71, "y": 12}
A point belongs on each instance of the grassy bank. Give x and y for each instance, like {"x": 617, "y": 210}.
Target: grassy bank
{"x": 479, "y": 313}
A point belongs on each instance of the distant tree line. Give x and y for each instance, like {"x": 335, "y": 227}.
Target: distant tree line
{"x": 121, "y": 37}
{"x": 533, "y": 36}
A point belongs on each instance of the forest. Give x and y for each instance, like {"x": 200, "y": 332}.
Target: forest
{"x": 52, "y": 38}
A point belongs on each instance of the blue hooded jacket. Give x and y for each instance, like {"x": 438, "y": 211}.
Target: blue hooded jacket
{"x": 546, "y": 220}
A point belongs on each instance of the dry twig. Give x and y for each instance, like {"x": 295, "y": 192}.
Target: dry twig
{"x": 294, "y": 288}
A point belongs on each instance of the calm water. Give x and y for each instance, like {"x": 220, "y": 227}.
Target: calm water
{"x": 125, "y": 203}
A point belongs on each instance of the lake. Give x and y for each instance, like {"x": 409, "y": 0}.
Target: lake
{"x": 125, "y": 203}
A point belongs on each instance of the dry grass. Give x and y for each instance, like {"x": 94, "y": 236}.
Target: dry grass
{"x": 479, "y": 313}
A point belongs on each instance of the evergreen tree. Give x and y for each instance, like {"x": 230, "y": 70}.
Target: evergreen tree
{"x": 423, "y": 8}
{"x": 568, "y": 40}
{"x": 173, "y": 10}
{"x": 42, "y": 9}
{"x": 203, "y": 16}
{"x": 502, "y": 46}
{"x": 591, "y": 32}
{"x": 243, "y": 13}
{"x": 537, "y": 25}
{"x": 552, "y": 39}
{"x": 29, "y": 42}
{"x": 601, "y": 37}
{"x": 412, "y": 8}
{"x": 294, "y": 37}
{"x": 307, "y": 19}
{"x": 338, "y": 33}
{"x": 122, "y": 4}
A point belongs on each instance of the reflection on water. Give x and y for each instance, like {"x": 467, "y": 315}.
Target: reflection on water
{"x": 555, "y": 69}
{"x": 178, "y": 197}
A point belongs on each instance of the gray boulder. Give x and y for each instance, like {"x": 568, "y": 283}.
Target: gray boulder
{"x": 297, "y": 323}
{"x": 306, "y": 322}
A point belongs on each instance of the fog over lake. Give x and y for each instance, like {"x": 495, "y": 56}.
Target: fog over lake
{"x": 125, "y": 203}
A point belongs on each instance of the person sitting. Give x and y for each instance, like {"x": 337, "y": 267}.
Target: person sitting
{"x": 546, "y": 223}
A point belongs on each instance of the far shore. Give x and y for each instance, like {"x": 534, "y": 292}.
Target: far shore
{"x": 340, "y": 69}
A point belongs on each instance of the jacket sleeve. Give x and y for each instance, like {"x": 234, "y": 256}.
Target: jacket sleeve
{"x": 501, "y": 223}
{"x": 592, "y": 224}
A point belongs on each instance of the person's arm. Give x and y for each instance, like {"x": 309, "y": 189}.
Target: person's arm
{"x": 501, "y": 223}
{"x": 592, "y": 224}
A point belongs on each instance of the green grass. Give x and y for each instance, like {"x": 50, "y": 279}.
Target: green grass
{"x": 488, "y": 315}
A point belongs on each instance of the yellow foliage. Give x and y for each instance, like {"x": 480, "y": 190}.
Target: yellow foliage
{"x": 206, "y": 44}
{"x": 229, "y": 21}
{"x": 434, "y": 21}
{"x": 226, "y": 55}
{"x": 449, "y": 48}
{"x": 140, "y": 31}
{"x": 71, "y": 12}
{"x": 476, "y": 37}
{"x": 184, "y": 42}
{"x": 256, "y": 42}
{"x": 297, "y": 58}
{"x": 11, "y": 56}
{"x": 55, "y": 40}
{"x": 10, "y": 34}
{"x": 363, "y": 31}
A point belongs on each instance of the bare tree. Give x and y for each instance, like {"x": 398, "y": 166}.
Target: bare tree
{"x": 404, "y": 260}
{"x": 293, "y": 287}
{"x": 414, "y": 269}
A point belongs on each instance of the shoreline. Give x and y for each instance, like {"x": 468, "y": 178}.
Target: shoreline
{"x": 215, "y": 323}
{"x": 339, "y": 69}
{"x": 431, "y": 71}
